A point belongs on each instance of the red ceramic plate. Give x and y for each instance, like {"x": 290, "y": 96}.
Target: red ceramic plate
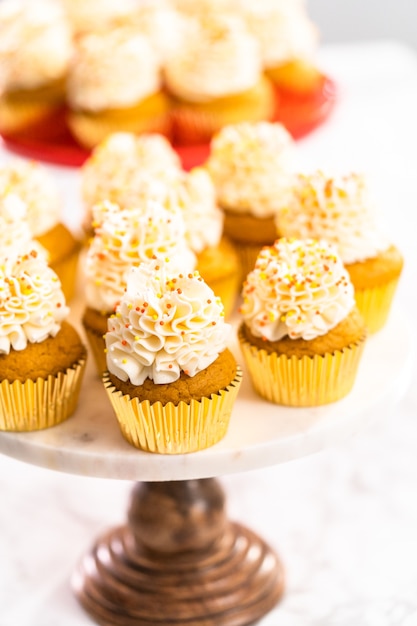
{"x": 300, "y": 114}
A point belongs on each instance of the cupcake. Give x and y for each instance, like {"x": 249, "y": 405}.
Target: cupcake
{"x": 35, "y": 52}
{"x": 340, "y": 210}
{"x": 114, "y": 84}
{"x": 98, "y": 16}
{"x": 302, "y": 335}
{"x": 216, "y": 79}
{"x": 31, "y": 182}
{"x": 288, "y": 41}
{"x": 42, "y": 358}
{"x": 15, "y": 235}
{"x": 116, "y": 167}
{"x": 126, "y": 237}
{"x": 250, "y": 165}
{"x": 171, "y": 380}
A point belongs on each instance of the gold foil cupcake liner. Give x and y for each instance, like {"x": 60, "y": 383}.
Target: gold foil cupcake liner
{"x": 374, "y": 304}
{"x": 46, "y": 402}
{"x": 248, "y": 253}
{"x": 305, "y": 381}
{"x": 66, "y": 269}
{"x": 227, "y": 289}
{"x": 170, "y": 429}
{"x": 97, "y": 346}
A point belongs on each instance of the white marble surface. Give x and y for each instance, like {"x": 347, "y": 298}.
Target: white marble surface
{"x": 344, "y": 521}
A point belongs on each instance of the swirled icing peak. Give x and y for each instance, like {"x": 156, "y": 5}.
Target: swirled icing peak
{"x": 219, "y": 57}
{"x": 15, "y": 234}
{"x": 116, "y": 168}
{"x": 338, "y": 209}
{"x": 32, "y": 305}
{"x": 128, "y": 237}
{"x": 250, "y": 164}
{"x": 35, "y": 44}
{"x": 297, "y": 288}
{"x": 114, "y": 69}
{"x": 33, "y": 184}
{"x": 282, "y": 28}
{"x": 86, "y": 17}
{"x": 165, "y": 324}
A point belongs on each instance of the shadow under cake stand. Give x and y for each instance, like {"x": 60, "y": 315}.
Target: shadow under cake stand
{"x": 178, "y": 560}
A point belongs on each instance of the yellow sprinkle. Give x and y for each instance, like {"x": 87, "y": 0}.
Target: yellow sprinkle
{"x": 124, "y": 360}
{"x": 130, "y": 306}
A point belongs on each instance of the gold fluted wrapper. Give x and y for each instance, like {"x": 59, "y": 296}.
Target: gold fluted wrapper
{"x": 302, "y": 382}
{"x": 97, "y": 346}
{"x": 66, "y": 269}
{"x": 248, "y": 253}
{"x": 374, "y": 304}
{"x": 227, "y": 289}
{"x": 46, "y": 402}
{"x": 170, "y": 429}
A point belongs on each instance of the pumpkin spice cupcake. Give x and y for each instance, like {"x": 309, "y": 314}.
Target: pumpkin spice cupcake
{"x": 35, "y": 52}
{"x": 115, "y": 84}
{"x": 171, "y": 380}
{"x": 32, "y": 183}
{"x": 124, "y": 238}
{"x": 251, "y": 167}
{"x": 340, "y": 210}
{"x": 302, "y": 335}
{"x": 216, "y": 79}
{"x": 42, "y": 358}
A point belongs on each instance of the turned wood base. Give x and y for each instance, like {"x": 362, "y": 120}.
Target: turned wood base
{"x": 179, "y": 561}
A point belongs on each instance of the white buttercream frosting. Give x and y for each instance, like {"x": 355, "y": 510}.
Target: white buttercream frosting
{"x": 32, "y": 305}
{"x": 128, "y": 237}
{"x": 338, "y": 209}
{"x": 251, "y": 167}
{"x": 219, "y": 58}
{"x": 35, "y": 44}
{"x": 298, "y": 288}
{"x": 118, "y": 165}
{"x": 34, "y": 185}
{"x": 163, "y": 25}
{"x": 15, "y": 234}
{"x": 114, "y": 69}
{"x": 282, "y": 28}
{"x": 165, "y": 324}
{"x": 86, "y": 16}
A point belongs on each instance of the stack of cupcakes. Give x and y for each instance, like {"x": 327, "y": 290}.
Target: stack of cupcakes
{"x": 340, "y": 210}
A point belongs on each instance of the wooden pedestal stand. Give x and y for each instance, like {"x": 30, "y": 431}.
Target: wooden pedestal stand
{"x": 179, "y": 560}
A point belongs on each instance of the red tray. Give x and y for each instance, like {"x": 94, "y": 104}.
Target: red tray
{"x": 299, "y": 114}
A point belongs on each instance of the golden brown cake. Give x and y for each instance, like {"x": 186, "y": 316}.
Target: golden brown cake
{"x": 114, "y": 84}
{"x": 42, "y": 358}
{"x": 36, "y": 48}
{"x": 339, "y": 209}
{"x": 250, "y": 165}
{"x": 171, "y": 380}
{"x": 216, "y": 78}
{"x": 301, "y": 336}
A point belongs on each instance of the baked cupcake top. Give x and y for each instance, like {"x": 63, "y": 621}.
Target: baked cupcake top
{"x": 250, "y": 164}
{"x": 35, "y": 44}
{"x": 126, "y": 237}
{"x": 36, "y": 188}
{"x": 113, "y": 69}
{"x": 32, "y": 305}
{"x": 115, "y": 169}
{"x": 338, "y": 209}
{"x": 218, "y": 58}
{"x": 283, "y": 29}
{"x": 298, "y": 288}
{"x": 15, "y": 235}
{"x": 166, "y": 323}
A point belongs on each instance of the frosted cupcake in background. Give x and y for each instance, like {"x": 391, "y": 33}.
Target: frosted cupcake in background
{"x": 98, "y": 15}
{"x": 115, "y": 84}
{"x": 171, "y": 380}
{"x": 251, "y": 167}
{"x": 288, "y": 41}
{"x": 35, "y": 52}
{"x": 216, "y": 79}
{"x": 302, "y": 336}
{"x": 33, "y": 184}
{"x": 340, "y": 210}
{"x": 15, "y": 235}
{"x": 42, "y": 358}
{"x": 124, "y": 238}
{"x": 117, "y": 166}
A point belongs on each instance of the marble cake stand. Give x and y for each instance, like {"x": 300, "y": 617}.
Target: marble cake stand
{"x": 178, "y": 560}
